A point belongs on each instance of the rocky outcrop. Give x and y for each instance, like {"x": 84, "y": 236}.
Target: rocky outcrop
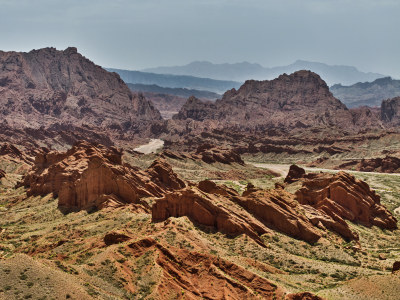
{"x": 89, "y": 175}
{"x": 211, "y": 154}
{"x": 13, "y": 152}
{"x": 387, "y": 164}
{"x": 280, "y": 211}
{"x": 161, "y": 174}
{"x": 195, "y": 109}
{"x": 45, "y": 87}
{"x": 253, "y": 213}
{"x": 201, "y": 275}
{"x": 294, "y": 174}
{"x": 10, "y": 150}
{"x": 302, "y": 296}
{"x": 211, "y": 187}
{"x": 115, "y": 237}
{"x": 390, "y": 111}
{"x": 343, "y": 197}
{"x": 323, "y": 221}
{"x": 208, "y": 209}
{"x": 396, "y": 266}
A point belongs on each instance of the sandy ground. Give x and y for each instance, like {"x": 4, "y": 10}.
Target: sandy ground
{"x": 151, "y": 147}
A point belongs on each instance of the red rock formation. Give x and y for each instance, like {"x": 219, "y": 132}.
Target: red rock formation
{"x": 161, "y": 173}
{"x": 294, "y": 174}
{"x": 172, "y": 154}
{"x": 213, "y": 205}
{"x": 195, "y": 109}
{"x": 343, "y": 197}
{"x": 278, "y": 209}
{"x": 303, "y": 296}
{"x": 203, "y": 276}
{"x": 390, "y": 111}
{"x": 10, "y": 150}
{"x": 211, "y": 187}
{"x": 321, "y": 220}
{"x": 88, "y": 175}
{"x": 211, "y": 154}
{"x": 114, "y": 237}
{"x": 13, "y": 152}
{"x": 209, "y": 210}
{"x": 396, "y": 266}
{"x": 387, "y": 164}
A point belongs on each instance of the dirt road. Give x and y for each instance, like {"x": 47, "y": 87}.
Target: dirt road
{"x": 151, "y": 147}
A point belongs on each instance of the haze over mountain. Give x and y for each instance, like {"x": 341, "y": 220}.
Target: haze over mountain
{"x": 332, "y": 74}
{"x": 367, "y": 93}
{"x": 180, "y": 92}
{"x": 176, "y": 81}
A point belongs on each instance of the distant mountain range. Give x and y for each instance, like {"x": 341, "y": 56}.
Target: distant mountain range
{"x": 367, "y": 93}
{"x": 241, "y": 72}
{"x": 176, "y": 81}
{"x": 180, "y": 92}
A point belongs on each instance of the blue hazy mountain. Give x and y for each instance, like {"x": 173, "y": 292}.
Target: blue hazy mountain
{"x": 176, "y": 81}
{"x": 332, "y": 74}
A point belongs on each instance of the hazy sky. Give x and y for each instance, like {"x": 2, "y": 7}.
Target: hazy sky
{"x": 135, "y": 34}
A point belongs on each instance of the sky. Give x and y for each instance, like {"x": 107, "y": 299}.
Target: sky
{"x": 137, "y": 34}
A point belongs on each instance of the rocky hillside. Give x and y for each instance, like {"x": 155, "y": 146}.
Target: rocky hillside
{"x": 46, "y": 87}
{"x": 297, "y": 101}
{"x": 367, "y": 93}
{"x": 390, "y": 111}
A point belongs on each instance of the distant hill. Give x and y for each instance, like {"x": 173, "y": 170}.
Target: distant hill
{"x": 180, "y": 92}
{"x": 346, "y": 75}
{"x": 288, "y": 103}
{"x": 367, "y": 93}
{"x": 176, "y": 81}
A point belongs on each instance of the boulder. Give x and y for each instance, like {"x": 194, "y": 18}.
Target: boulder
{"x": 390, "y": 111}
{"x": 114, "y": 237}
{"x": 294, "y": 174}
{"x": 396, "y": 266}
{"x": 211, "y": 187}
{"x": 302, "y": 296}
